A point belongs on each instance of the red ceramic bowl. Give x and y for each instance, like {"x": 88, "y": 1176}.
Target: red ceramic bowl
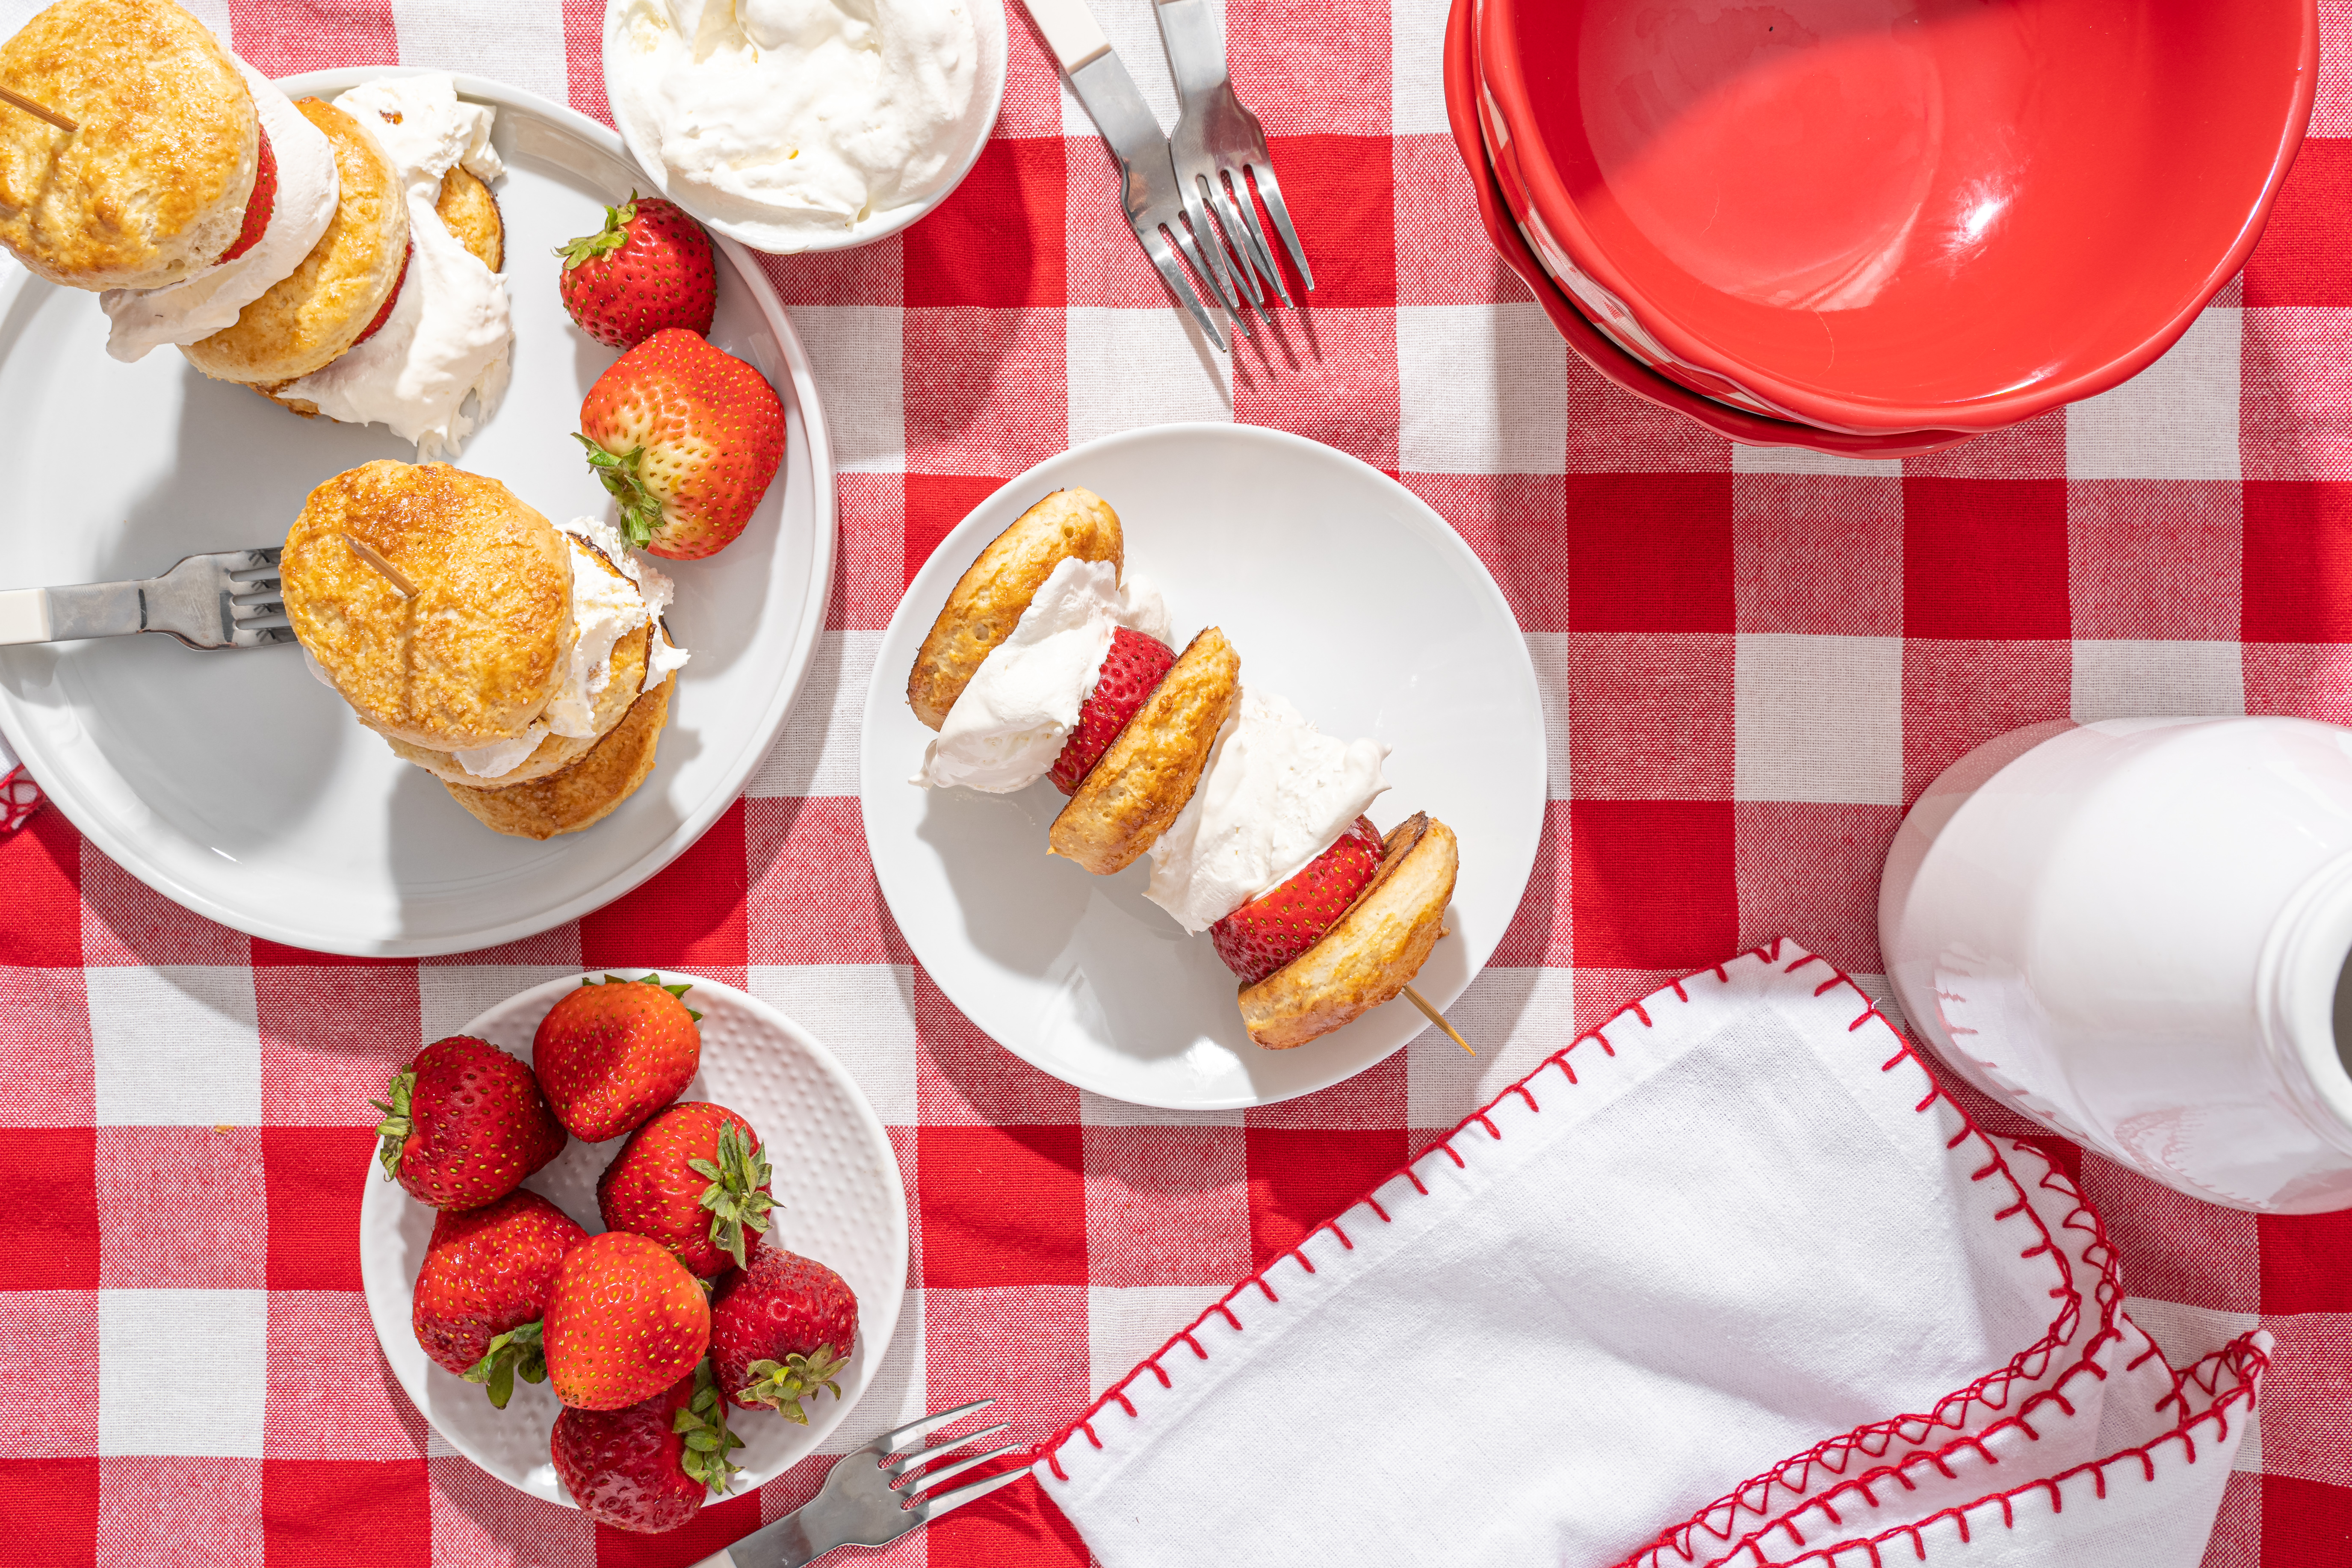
{"x": 1888, "y": 215}
{"x": 1614, "y": 364}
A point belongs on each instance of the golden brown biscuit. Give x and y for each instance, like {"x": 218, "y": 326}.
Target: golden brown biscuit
{"x": 584, "y": 794}
{"x": 1130, "y": 796}
{"x": 476, "y": 656}
{"x": 329, "y": 303}
{"x": 1372, "y": 952}
{"x": 468, "y": 211}
{"x": 555, "y": 752}
{"x": 989, "y": 598}
{"x": 152, "y": 187}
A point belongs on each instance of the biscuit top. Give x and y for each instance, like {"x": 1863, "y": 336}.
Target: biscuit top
{"x": 474, "y": 657}
{"x": 152, "y": 187}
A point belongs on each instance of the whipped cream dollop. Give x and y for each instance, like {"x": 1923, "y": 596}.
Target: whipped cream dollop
{"x": 1276, "y": 793}
{"x": 451, "y": 329}
{"x": 1017, "y": 711}
{"x": 604, "y": 610}
{"x": 797, "y": 120}
{"x": 148, "y": 319}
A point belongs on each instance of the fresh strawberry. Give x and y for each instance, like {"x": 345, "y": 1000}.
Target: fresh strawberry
{"x": 647, "y": 1468}
{"x": 484, "y": 1287}
{"x": 1131, "y": 671}
{"x": 693, "y": 1179}
{"x": 685, "y": 439}
{"x": 466, "y": 1125}
{"x": 611, "y": 1054}
{"x": 783, "y": 1329}
{"x": 648, "y": 268}
{"x": 1279, "y": 924}
{"x": 625, "y": 1322}
{"x": 257, "y": 206}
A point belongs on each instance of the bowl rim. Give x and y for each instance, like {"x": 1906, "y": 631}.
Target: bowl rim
{"x": 1504, "y": 84}
{"x": 1615, "y": 365}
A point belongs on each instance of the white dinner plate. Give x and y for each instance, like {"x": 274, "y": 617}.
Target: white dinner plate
{"x": 237, "y": 785}
{"x": 1343, "y": 592}
{"x": 838, "y": 1200}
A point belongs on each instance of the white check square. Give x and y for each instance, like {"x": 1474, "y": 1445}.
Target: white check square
{"x": 856, "y": 353}
{"x": 2121, "y": 678}
{"x": 1127, "y": 1323}
{"x": 817, "y": 753}
{"x": 1129, "y": 368}
{"x": 182, "y": 1372}
{"x": 1818, "y": 719}
{"x": 1481, "y": 389}
{"x": 2178, "y": 419}
{"x": 1513, "y": 1017}
{"x": 174, "y": 1045}
{"x": 864, "y": 1014}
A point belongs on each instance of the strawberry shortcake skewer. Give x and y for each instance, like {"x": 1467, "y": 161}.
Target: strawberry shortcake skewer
{"x": 1048, "y": 660}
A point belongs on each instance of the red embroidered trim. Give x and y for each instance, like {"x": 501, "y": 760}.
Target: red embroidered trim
{"x": 19, "y": 798}
{"x": 1991, "y": 1390}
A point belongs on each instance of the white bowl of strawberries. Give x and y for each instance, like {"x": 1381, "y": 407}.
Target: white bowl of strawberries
{"x": 640, "y": 1241}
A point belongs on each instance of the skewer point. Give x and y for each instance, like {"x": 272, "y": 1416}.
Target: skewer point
{"x": 1436, "y": 1017}
{"x": 375, "y": 557}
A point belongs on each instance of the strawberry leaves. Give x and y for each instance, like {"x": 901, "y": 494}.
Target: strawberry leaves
{"x": 679, "y": 990}
{"x": 641, "y": 514}
{"x": 396, "y": 1124}
{"x": 517, "y": 1352}
{"x": 783, "y": 1384}
{"x": 709, "y": 1443}
{"x": 735, "y": 1197}
{"x": 604, "y": 241}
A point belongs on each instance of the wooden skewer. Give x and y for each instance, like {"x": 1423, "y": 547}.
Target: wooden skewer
{"x": 41, "y": 112}
{"x": 375, "y": 557}
{"x": 1436, "y": 1017}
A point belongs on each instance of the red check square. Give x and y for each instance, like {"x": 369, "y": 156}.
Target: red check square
{"x": 40, "y": 864}
{"x": 690, "y": 915}
{"x": 1650, "y": 716}
{"x": 48, "y": 1360}
{"x": 2298, "y": 563}
{"x": 1656, "y": 883}
{"x": 48, "y": 1074}
{"x": 719, "y": 1523}
{"x": 2300, "y": 260}
{"x": 2155, "y": 558}
{"x": 996, "y": 242}
{"x": 987, "y": 390}
{"x": 1958, "y": 695}
{"x": 1341, "y": 194}
{"x": 212, "y": 1181}
{"x": 127, "y": 922}
{"x": 315, "y": 1177}
{"x": 812, "y": 898}
{"x": 2176, "y": 1248}
{"x": 1810, "y": 873}
{"x": 2307, "y": 680}
{"x": 1984, "y": 558}
{"x": 1818, "y": 554}
{"x": 1002, "y": 1205}
{"x": 2303, "y": 1263}
{"x": 149, "y": 1505}
{"x": 1299, "y": 1179}
{"x": 279, "y": 41}
{"x": 1166, "y": 1206}
{"x": 48, "y": 1226}
{"x": 2303, "y": 1522}
{"x": 48, "y": 1512}
{"x": 1649, "y": 553}
{"x": 935, "y": 504}
{"x": 346, "y": 1513}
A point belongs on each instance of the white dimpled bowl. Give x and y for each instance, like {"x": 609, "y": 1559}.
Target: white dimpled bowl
{"x": 838, "y": 1200}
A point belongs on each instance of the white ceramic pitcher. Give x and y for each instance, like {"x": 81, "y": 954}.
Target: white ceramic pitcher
{"x": 2137, "y": 933}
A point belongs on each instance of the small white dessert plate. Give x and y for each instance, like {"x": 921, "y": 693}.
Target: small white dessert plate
{"x": 838, "y": 1200}
{"x": 1343, "y": 592}
{"x": 988, "y": 97}
{"x": 235, "y": 784}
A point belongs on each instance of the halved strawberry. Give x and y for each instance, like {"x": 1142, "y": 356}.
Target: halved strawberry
{"x": 1278, "y": 925}
{"x": 257, "y": 206}
{"x": 1131, "y": 671}
{"x": 389, "y": 299}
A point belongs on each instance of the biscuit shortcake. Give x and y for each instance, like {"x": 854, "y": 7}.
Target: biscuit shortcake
{"x": 1254, "y": 820}
{"x": 502, "y": 655}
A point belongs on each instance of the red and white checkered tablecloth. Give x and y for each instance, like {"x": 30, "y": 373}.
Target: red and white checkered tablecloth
{"x": 1754, "y": 661}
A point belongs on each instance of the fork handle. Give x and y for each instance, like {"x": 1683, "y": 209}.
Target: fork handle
{"x": 1070, "y": 32}
{"x": 24, "y": 616}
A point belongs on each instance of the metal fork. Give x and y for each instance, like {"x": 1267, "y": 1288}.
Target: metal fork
{"x": 228, "y": 599}
{"x": 1148, "y": 186}
{"x": 862, "y": 1502}
{"x": 1217, "y": 140}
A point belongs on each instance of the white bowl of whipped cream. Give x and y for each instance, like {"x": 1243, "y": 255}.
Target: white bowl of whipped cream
{"x": 798, "y": 125}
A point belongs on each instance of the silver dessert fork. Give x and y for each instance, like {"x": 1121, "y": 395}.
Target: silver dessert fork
{"x": 863, "y": 1504}
{"x": 228, "y": 599}
{"x": 1218, "y": 140}
{"x": 1148, "y": 187}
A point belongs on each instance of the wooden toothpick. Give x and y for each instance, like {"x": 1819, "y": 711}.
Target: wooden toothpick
{"x": 1436, "y": 1017}
{"x": 375, "y": 557}
{"x": 38, "y": 111}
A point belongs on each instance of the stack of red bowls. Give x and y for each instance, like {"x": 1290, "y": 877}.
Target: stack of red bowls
{"x": 1876, "y": 228}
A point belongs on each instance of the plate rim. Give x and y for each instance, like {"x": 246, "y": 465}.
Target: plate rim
{"x": 883, "y": 690}
{"x": 124, "y": 849}
{"x": 380, "y": 1195}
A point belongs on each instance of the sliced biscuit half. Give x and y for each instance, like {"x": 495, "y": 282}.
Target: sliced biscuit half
{"x": 1130, "y": 797}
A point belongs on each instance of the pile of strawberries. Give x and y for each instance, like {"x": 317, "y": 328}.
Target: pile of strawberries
{"x": 684, "y": 435}
{"x": 650, "y": 1332}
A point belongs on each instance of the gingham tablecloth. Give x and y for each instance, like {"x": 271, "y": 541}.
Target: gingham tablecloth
{"x": 1754, "y": 661}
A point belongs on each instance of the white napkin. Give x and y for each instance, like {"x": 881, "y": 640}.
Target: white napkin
{"x": 1735, "y": 1233}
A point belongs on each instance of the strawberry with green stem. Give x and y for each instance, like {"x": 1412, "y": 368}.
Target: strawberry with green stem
{"x": 694, "y": 1179}
{"x": 649, "y": 1467}
{"x": 648, "y": 268}
{"x": 465, "y": 1125}
{"x": 613, "y": 1052}
{"x": 687, "y": 439}
{"x": 780, "y": 1330}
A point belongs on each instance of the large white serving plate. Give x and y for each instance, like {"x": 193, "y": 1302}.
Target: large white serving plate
{"x": 234, "y": 783}
{"x": 1342, "y": 591}
{"x": 838, "y": 1200}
